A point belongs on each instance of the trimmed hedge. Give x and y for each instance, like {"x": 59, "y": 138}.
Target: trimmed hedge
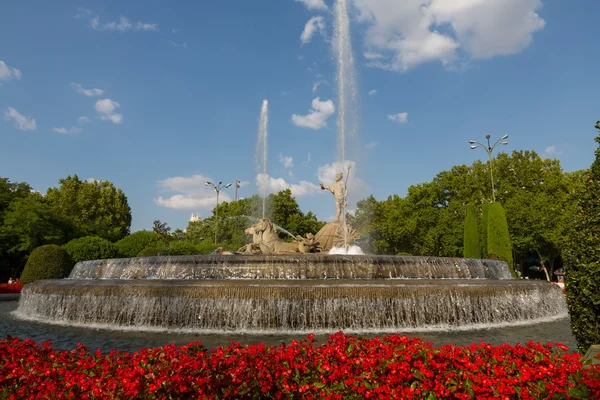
{"x": 581, "y": 256}
{"x": 90, "y": 248}
{"x": 498, "y": 238}
{"x": 131, "y": 245}
{"x": 472, "y": 248}
{"x": 47, "y": 262}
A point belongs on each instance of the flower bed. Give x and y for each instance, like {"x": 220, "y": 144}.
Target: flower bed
{"x": 343, "y": 367}
{"x": 10, "y": 288}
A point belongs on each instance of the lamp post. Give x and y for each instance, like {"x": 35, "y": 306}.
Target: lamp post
{"x": 237, "y": 186}
{"x": 489, "y": 149}
{"x": 217, "y": 188}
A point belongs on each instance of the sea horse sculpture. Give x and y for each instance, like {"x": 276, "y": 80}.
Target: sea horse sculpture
{"x": 265, "y": 240}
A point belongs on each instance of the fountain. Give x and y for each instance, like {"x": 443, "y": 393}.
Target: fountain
{"x": 278, "y": 287}
{"x": 261, "y": 145}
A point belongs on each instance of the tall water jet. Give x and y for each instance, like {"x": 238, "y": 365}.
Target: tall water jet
{"x": 261, "y": 145}
{"x": 347, "y": 92}
{"x": 346, "y": 78}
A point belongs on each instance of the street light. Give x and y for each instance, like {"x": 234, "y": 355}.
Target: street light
{"x": 217, "y": 188}
{"x": 237, "y": 186}
{"x": 489, "y": 149}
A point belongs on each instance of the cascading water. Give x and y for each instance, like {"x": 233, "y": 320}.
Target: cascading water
{"x": 292, "y": 293}
{"x": 261, "y": 145}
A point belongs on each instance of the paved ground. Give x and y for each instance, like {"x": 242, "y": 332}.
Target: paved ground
{"x": 9, "y": 296}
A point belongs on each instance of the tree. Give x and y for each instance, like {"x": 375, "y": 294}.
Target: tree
{"x": 472, "y": 247}
{"x": 31, "y": 222}
{"x": 582, "y": 259}
{"x": 10, "y": 262}
{"x": 498, "y": 238}
{"x": 131, "y": 245}
{"x": 162, "y": 229}
{"x": 93, "y": 208}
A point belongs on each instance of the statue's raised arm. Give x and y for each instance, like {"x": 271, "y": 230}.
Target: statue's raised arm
{"x": 339, "y": 193}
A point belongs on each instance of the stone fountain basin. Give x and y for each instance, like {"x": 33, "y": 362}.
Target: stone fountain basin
{"x": 306, "y": 266}
{"x": 259, "y": 306}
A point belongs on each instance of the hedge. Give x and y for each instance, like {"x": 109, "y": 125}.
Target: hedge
{"x": 47, "y": 262}
{"x": 472, "y": 248}
{"x": 90, "y": 248}
{"x": 581, "y": 257}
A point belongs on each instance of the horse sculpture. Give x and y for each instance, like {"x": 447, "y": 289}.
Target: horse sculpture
{"x": 266, "y": 241}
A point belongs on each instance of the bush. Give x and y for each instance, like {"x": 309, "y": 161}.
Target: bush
{"x": 498, "y": 238}
{"x": 130, "y": 246}
{"x": 209, "y": 247}
{"x": 581, "y": 255}
{"x": 472, "y": 248}
{"x": 180, "y": 248}
{"x": 150, "y": 252}
{"x": 47, "y": 262}
{"x": 90, "y": 248}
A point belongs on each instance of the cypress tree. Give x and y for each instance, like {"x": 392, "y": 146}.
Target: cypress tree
{"x": 472, "y": 245}
{"x": 485, "y": 210}
{"x": 498, "y": 238}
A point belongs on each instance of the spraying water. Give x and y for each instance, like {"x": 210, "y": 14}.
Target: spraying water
{"x": 347, "y": 92}
{"x": 261, "y": 145}
{"x": 346, "y": 77}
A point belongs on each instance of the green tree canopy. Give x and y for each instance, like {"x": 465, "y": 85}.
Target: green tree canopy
{"x": 94, "y": 208}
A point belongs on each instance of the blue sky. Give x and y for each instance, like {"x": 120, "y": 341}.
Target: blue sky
{"x": 158, "y": 97}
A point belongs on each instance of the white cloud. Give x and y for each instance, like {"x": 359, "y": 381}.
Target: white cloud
{"x": 286, "y": 161}
{"x": 123, "y": 25}
{"x": 357, "y": 188}
{"x": 308, "y": 158}
{"x": 192, "y": 193}
{"x": 8, "y": 73}
{"x": 94, "y": 180}
{"x": 317, "y": 84}
{"x": 267, "y": 185}
{"x": 401, "y": 118}
{"x": 114, "y": 118}
{"x": 65, "y": 131}
{"x": 83, "y": 119}
{"x": 314, "y": 4}
{"x": 314, "y": 25}
{"x": 372, "y": 92}
{"x": 406, "y": 34}
{"x": 371, "y": 145}
{"x": 106, "y": 108}
{"x": 551, "y": 150}
{"x": 87, "y": 92}
{"x": 20, "y": 121}
{"x": 317, "y": 116}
